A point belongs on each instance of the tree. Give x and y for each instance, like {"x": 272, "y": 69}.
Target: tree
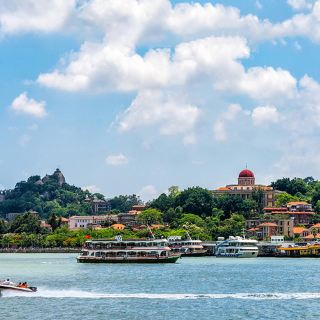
{"x": 190, "y": 218}
{"x": 28, "y": 223}
{"x": 124, "y": 203}
{"x": 150, "y": 216}
{"x": 315, "y": 195}
{"x": 162, "y": 203}
{"x": 3, "y": 227}
{"x": 291, "y": 186}
{"x": 171, "y": 215}
{"x": 54, "y": 222}
{"x": 234, "y": 204}
{"x": 258, "y": 197}
{"x": 232, "y": 226}
{"x": 173, "y": 191}
{"x": 283, "y": 198}
{"x": 195, "y": 200}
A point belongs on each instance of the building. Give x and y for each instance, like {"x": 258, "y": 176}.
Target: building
{"x": 12, "y": 215}
{"x": 301, "y": 212}
{"x": 84, "y": 222}
{"x": 246, "y": 186}
{"x": 265, "y": 229}
{"x": 97, "y": 205}
{"x": 2, "y": 196}
{"x": 128, "y": 218}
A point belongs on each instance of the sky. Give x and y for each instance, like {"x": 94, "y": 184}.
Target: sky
{"x": 135, "y": 96}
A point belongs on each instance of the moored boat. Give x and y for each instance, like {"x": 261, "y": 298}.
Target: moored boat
{"x": 129, "y": 251}
{"x": 188, "y": 247}
{"x": 237, "y": 247}
{"x": 304, "y": 251}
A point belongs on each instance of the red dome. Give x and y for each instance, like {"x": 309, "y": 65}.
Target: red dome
{"x": 246, "y": 174}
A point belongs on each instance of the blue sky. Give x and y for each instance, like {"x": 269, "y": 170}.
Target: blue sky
{"x": 134, "y": 96}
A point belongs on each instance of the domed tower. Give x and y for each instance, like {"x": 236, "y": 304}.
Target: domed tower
{"x": 246, "y": 178}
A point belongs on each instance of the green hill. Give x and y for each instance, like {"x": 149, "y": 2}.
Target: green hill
{"x": 49, "y": 195}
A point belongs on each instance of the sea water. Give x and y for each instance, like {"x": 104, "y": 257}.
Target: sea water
{"x": 193, "y": 288}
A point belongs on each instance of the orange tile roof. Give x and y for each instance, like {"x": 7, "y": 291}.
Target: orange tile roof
{"x": 292, "y": 203}
{"x": 293, "y": 212}
{"x": 298, "y": 230}
{"x": 311, "y": 236}
{"x": 317, "y": 225}
{"x": 253, "y": 229}
{"x": 268, "y": 224}
{"x": 224, "y": 189}
{"x": 118, "y": 226}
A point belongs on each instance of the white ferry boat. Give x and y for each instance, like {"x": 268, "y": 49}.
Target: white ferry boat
{"x": 188, "y": 247}
{"x": 129, "y": 251}
{"x": 237, "y": 247}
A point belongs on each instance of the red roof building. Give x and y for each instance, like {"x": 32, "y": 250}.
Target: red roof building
{"x": 246, "y": 186}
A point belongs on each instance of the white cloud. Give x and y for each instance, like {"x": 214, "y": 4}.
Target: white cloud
{"x": 104, "y": 67}
{"x": 167, "y": 111}
{"x": 92, "y": 189}
{"x": 263, "y": 83}
{"x": 219, "y": 127}
{"x": 265, "y": 114}
{"x": 117, "y": 160}
{"x": 34, "y": 15}
{"x": 148, "y": 192}
{"x": 300, "y": 4}
{"x": 24, "y": 105}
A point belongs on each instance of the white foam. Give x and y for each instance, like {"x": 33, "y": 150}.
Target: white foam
{"x": 60, "y": 294}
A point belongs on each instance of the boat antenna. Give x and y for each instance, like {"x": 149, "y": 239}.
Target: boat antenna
{"x": 152, "y": 235}
{"x": 243, "y": 233}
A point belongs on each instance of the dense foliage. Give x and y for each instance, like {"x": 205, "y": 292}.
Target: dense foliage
{"x": 45, "y": 198}
{"x": 195, "y": 211}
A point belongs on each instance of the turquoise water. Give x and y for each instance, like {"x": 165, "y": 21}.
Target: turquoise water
{"x": 194, "y": 288}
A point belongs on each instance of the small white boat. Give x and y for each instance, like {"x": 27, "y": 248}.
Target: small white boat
{"x": 237, "y": 247}
{"x": 15, "y": 287}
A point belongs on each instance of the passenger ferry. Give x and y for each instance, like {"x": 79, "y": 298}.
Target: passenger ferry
{"x": 129, "y": 251}
{"x": 237, "y": 247}
{"x": 187, "y": 248}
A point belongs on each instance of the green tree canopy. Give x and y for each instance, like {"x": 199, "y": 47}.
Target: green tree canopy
{"x": 195, "y": 200}
{"x": 150, "y": 216}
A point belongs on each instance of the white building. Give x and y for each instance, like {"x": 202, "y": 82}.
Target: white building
{"x": 83, "y": 222}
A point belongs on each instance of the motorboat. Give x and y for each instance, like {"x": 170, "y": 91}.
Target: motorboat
{"x": 4, "y": 286}
{"x": 188, "y": 247}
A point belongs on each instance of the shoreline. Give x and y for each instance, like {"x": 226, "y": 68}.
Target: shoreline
{"x": 40, "y": 250}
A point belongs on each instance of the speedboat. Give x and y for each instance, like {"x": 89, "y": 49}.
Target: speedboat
{"x": 15, "y": 287}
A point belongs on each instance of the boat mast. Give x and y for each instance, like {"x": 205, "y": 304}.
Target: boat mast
{"x": 243, "y": 233}
{"x": 152, "y": 235}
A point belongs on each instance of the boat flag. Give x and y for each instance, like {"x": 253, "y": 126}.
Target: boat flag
{"x": 87, "y": 236}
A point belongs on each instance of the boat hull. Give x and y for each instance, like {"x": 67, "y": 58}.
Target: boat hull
{"x": 14, "y": 288}
{"x": 238, "y": 255}
{"x": 115, "y": 260}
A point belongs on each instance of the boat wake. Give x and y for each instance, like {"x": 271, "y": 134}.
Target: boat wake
{"x": 58, "y": 294}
